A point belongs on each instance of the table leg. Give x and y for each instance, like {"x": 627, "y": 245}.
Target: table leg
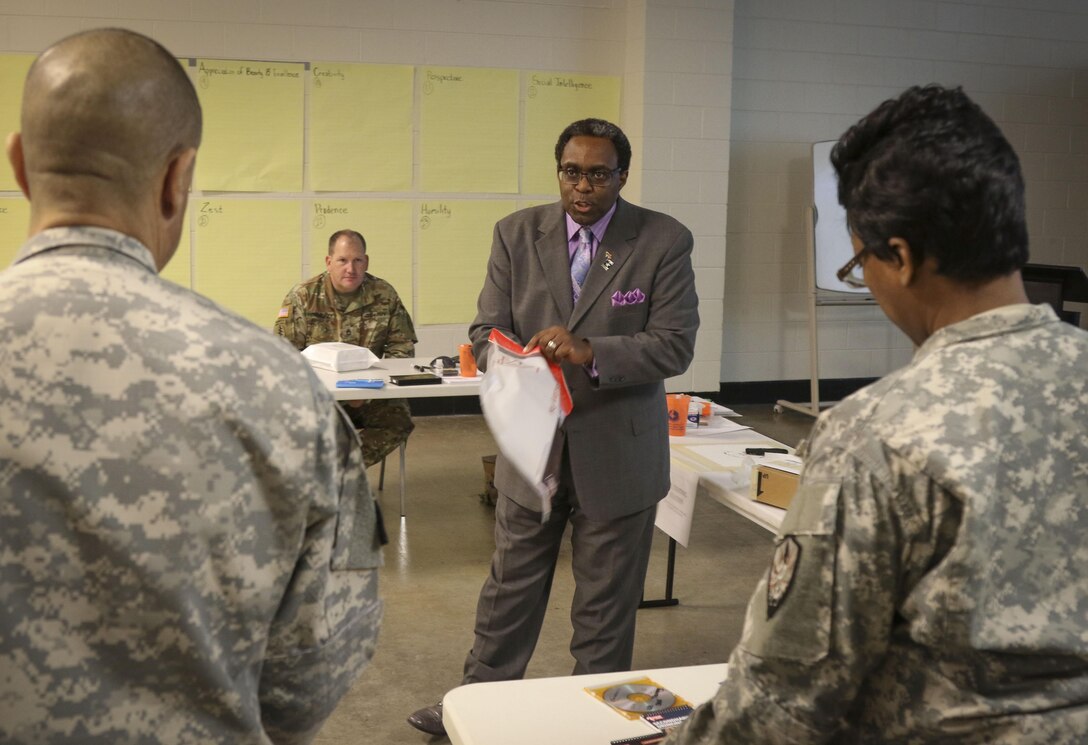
{"x": 668, "y": 600}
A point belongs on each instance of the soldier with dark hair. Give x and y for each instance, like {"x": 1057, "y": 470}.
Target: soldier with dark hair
{"x": 928, "y": 583}
{"x": 345, "y": 303}
{"x": 176, "y": 565}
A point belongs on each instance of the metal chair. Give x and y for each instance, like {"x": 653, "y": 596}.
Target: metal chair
{"x": 381, "y": 477}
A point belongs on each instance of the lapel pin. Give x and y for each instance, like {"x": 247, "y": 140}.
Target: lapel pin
{"x": 608, "y": 262}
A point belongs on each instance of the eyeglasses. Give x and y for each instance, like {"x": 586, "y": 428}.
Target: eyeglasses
{"x": 445, "y": 365}
{"x": 850, "y": 274}
{"x": 596, "y": 177}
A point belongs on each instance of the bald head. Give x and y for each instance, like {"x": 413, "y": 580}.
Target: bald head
{"x": 110, "y": 127}
{"x": 103, "y": 112}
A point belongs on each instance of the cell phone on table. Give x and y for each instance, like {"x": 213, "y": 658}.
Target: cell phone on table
{"x": 415, "y": 379}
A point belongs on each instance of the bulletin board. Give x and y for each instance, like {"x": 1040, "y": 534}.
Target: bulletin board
{"x": 13, "y": 69}
{"x": 422, "y": 160}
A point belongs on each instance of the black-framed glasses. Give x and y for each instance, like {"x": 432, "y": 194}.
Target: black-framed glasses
{"x": 596, "y": 177}
{"x": 850, "y": 274}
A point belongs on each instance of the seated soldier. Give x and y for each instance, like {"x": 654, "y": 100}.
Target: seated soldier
{"x": 344, "y": 303}
{"x": 928, "y": 583}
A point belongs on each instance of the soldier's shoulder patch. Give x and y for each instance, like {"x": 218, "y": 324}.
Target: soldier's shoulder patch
{"x": 783, "y": 568}
{"x": 285, "y": 312}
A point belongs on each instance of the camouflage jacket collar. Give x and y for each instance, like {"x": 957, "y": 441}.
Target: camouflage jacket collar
{"x": 86, "y": 237}
{"x": 1004, "y": 320}
{"x": 347, "y": 303}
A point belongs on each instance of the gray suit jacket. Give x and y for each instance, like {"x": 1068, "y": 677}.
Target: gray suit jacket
{"x": 617, "y": 434}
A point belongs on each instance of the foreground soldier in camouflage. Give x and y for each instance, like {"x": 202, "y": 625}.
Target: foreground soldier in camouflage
{"x": 176, "y": 565}
{"x": 930, "y": 581}
{"x": 345, "y": 303}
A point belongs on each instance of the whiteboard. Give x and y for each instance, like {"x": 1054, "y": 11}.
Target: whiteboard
{"x": 831, "y": 240}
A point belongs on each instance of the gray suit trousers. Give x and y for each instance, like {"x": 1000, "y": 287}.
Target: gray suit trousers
{"x": 609, "y": 562}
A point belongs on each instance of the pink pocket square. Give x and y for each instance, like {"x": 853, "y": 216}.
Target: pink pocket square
{"x": 631, "y": 297}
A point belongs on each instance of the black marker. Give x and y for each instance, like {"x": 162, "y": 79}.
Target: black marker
{"x": 765, "y": 451}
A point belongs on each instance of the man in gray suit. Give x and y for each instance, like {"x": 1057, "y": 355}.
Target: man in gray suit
{"x": 606, "y": 289}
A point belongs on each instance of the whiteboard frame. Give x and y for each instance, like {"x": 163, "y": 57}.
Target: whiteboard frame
{"x": 831, "y": 246}
{"x": 817, "y": 298}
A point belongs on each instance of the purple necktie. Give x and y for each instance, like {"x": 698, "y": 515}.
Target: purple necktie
{"x": 579, "y": 264}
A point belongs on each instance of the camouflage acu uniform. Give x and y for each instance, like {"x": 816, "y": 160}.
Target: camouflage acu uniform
{"x": 940, "y": 592}
{"x": 372, "y": 317}
{"x": 176, "y": 566}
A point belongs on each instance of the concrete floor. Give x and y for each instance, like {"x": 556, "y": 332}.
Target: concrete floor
{"x": 438, "y": 558}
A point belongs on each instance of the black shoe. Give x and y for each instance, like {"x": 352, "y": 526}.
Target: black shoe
{"x": 429, "y": 720}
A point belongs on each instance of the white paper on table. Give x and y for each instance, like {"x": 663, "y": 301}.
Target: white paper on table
{"x": 674, "y": 512}
{"x": 727, "y": 461}
{"x": 524, "y": 400}
{"x": 734, "y": 471}
{"x": 704, "y": 456}
{"x": 787, "y": 463}
{"x": 715, "y": 408}
{"x": 716, "y": 425}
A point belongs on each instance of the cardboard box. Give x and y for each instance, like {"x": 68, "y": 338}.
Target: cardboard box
{"x": 774, "y": 485}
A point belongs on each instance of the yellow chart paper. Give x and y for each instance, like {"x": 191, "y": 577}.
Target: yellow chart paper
{"x": 526, "y": 203}
{"x": 178, "y": 270}
{"x": 554, "y": 100}
{"x": 14, "y": 222}
{"x": 252, "y": 125}
{"x": 454, "y": 243}
{"x": 469, "y": 130}
{"x": 248, "y": 254}
{"x": 387, "y": 228}
{"x": 360, "y": 133}
{"x": 13, "y": 69}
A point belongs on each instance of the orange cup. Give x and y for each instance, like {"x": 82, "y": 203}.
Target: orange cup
{"x": 468, "y": 362}
{"x": 678, "y": 404}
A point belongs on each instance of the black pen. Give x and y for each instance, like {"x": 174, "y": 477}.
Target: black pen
{"x": 765, "y": 451}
